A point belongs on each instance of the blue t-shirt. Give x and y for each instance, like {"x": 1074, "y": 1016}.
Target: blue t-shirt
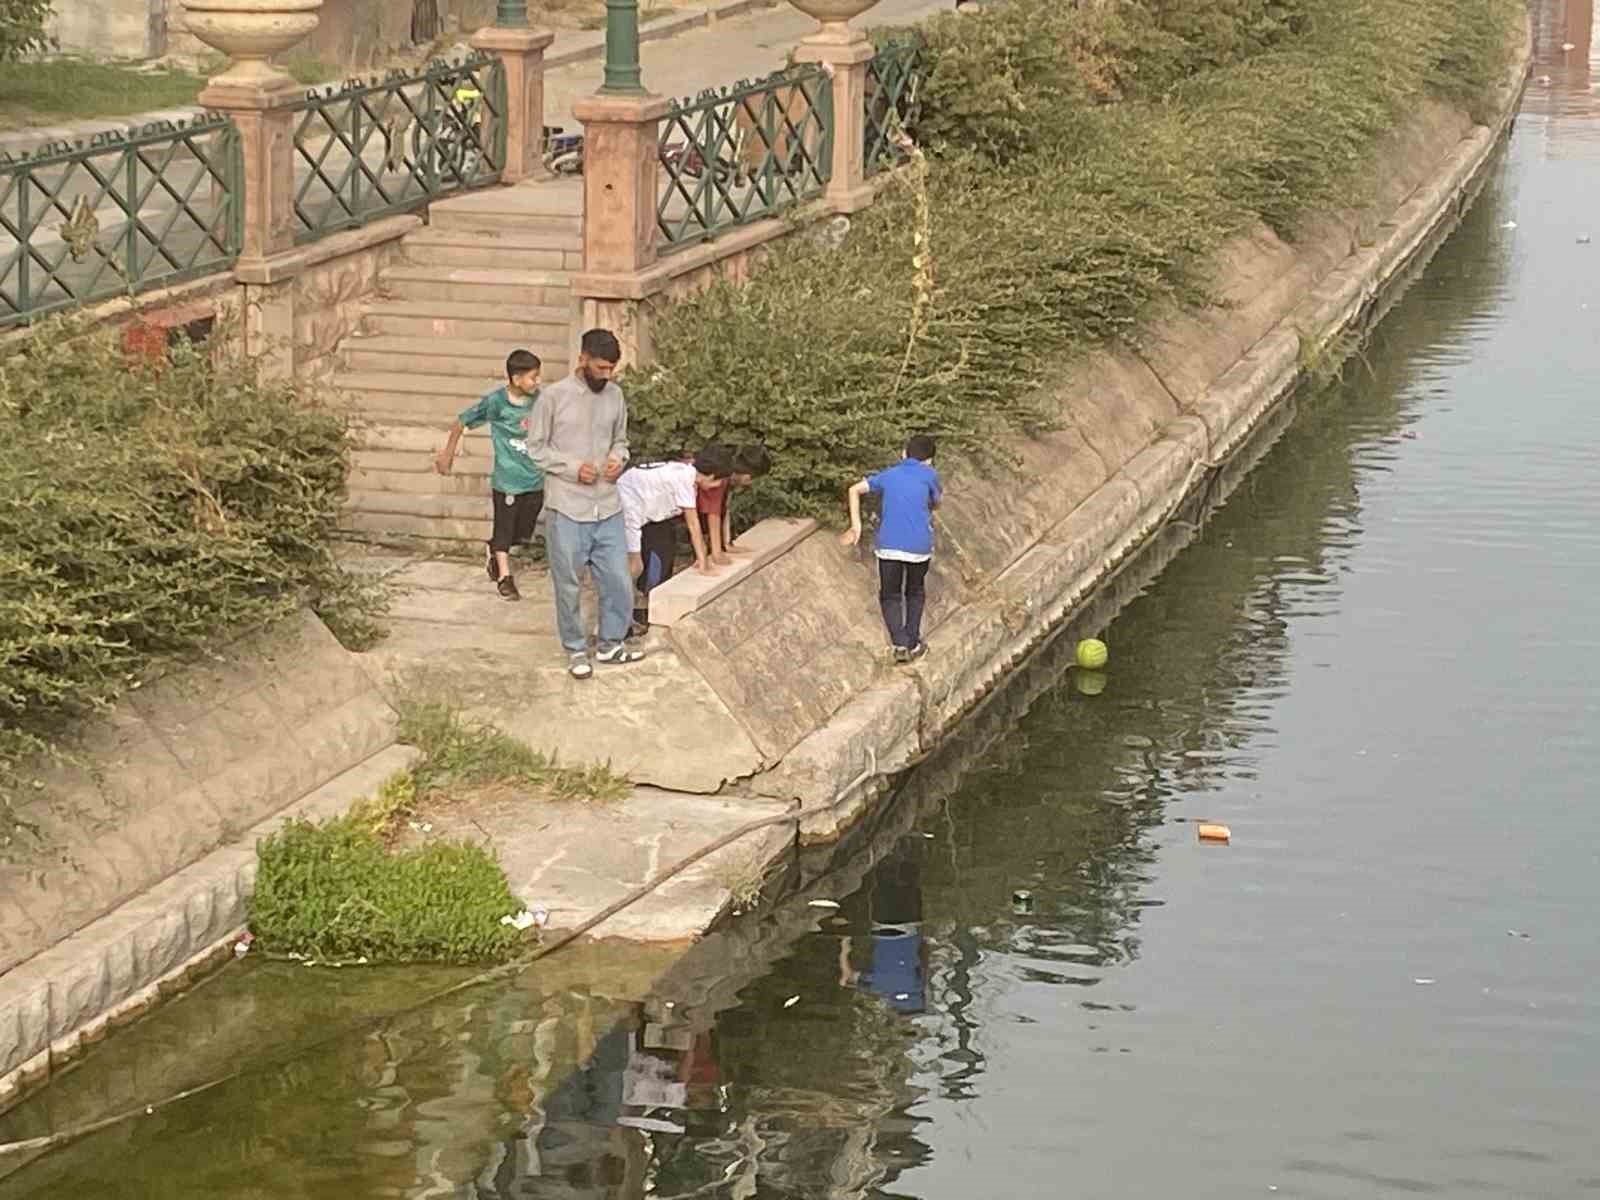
{"x": 910, "y": 490}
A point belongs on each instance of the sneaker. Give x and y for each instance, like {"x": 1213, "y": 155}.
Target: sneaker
{"x": 491, "y": 564}
{"x": 508, "y": 589}
{"x": 578, "y": 666}
{"x": 637, "y": 630}
{"x": 920, "y": 650}
{"x": 902, "y": 655}
{"x": 619, "y": 654}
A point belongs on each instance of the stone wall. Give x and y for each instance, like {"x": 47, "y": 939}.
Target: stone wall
{"x": 111, "y": 28}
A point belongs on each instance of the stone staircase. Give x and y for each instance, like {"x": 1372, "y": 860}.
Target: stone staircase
{"x": 490, "y": 273}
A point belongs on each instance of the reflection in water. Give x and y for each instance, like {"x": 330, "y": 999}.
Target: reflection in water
{"x": 1375, "y": 664}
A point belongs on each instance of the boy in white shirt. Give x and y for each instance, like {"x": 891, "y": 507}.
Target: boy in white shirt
{"x": 657, "y": 499}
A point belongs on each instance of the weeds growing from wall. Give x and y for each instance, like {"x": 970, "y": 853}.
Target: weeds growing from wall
{"x": 1087, "y": 162}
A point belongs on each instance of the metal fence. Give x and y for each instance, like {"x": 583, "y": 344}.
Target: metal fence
{"x": 118, "y": 213}
{"x": 740, "y": 153}
{"x": 893, "y": 99}
{"x": 372, "y": 148}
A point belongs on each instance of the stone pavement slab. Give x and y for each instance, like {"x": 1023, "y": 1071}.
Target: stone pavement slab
{"x": 657, "y": 722}
{"x": 575, "y": 859}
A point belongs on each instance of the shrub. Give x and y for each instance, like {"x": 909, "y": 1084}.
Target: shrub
{"x": 1085, "y": 163}
{"x": 151, "y": 510}
{"x": 336, "y": 893}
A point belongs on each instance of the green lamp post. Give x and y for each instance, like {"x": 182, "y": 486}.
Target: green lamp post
{"x": 511, "y": 14}
{"x": 622, "y": 49}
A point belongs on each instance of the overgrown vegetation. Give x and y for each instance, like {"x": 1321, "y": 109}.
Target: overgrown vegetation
{"x": 1085, "y": 164}
{"x": 343, "y": 891}
{"x": 151, "y": 510}
{"x": 336, "y": 893}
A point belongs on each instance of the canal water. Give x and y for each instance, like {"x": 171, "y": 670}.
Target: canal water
{"x": 1375, "y": 664}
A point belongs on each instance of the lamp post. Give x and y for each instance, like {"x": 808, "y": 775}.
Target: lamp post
{"x": 511, "y": 14}
{"x": 622, "y": 49}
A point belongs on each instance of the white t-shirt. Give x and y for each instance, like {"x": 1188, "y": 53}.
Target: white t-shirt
{"x": 654, "y": 492}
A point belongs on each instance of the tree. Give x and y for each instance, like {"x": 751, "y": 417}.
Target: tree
{"x": 22, "y": 28}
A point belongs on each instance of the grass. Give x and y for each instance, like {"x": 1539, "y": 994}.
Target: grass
{"x": 40, "y": 93}
{"x": 65, "y": 89}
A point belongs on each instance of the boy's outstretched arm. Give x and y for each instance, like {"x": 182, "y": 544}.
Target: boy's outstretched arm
{"x": 447, "y": 455}
{"x": 853, "y": 535}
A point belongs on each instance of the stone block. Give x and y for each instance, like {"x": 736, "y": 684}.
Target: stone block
{"x": 159, "y": 939}
{"x": 688, "y": 591}
{"x": 80, "y": 982}
{"x": 1248, "y": 389}
{"x": 1163, "y": 472}
{"x": 24, "y": 1017}
{"x": 1116, "y": 402}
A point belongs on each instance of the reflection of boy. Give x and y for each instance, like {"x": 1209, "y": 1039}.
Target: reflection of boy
{"x": 894, "y": 968}
{"x": 749, "y": 464}
{"x": 517, "y": 484}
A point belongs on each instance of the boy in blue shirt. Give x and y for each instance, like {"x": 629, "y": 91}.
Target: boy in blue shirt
{"x": 517, "y": 484}
{"x": 909, "y": 491}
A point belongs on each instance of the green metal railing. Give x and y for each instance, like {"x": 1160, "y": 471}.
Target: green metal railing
{"x": 372, "y": 148}
{"x": 894, "y": 89}
{"x": 118, "y": 213}
{"x": 737, "y": 154}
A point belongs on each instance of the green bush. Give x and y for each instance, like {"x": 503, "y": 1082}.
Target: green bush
{"x": 336, "y": 893}
{"x": 148, "y": 513}
{"x": 1085, "y": 163}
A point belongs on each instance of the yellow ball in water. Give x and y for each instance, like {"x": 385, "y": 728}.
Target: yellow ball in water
{"x": 1091, "y": 654}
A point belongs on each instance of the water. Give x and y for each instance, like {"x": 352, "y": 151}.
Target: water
{"x": 1375, "y": 664}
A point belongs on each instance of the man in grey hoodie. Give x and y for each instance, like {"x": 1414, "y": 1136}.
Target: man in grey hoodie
{"x": 578, "y": 436}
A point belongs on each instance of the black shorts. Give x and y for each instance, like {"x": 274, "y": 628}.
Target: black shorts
{"x": 514, "y": 518}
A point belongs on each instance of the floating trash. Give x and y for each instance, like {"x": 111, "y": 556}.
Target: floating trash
{"x": 1422, "y": 982}
{"x": 791, "y": 1001}
{"x": 822, "y": 904}
{"x": 1021, "y": 902}
{"x": 1210, "y": 832}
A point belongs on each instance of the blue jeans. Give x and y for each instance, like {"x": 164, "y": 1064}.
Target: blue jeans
{"x": 599, "y": 545}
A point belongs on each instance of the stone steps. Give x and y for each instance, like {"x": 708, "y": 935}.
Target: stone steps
{"x": 478, "y": 360}
{"x": 490, "y": 273}
{"x": 539, "y": 250}
{"x": 479, "y": 285}
{"x": 523, "y": 326}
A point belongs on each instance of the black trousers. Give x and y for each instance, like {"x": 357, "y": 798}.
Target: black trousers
{"x": 658, "y": 546}
{"x": 514, "y": 518}
{"x": 902, "y": 595}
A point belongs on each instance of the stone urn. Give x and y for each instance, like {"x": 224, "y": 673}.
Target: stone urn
{"x": 249, "y": 32}
{"x": 833, "y": 14}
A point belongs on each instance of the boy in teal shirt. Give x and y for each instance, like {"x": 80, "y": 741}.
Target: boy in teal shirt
{"x": 517, "y": 484}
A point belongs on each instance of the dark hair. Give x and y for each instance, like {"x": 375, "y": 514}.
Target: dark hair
{"x": 751, "y": 460}
{"x": 519, "y": 362}
{"x": 920, "y": 447}
{"x": 715, "y": 460}
{"x": 601, "y": 344}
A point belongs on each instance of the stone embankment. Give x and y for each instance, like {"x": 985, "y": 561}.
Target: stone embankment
{"x": 769, "y": 689}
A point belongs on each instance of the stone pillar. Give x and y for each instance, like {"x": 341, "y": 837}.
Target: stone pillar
{"x": 266, "y": 133}
{"x": 621, "y": 161}
{"x": 522, "y": 53}
{"x": 846, "y": 58}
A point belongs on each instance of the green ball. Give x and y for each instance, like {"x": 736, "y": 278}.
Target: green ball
{"x": 1091, "y": 654}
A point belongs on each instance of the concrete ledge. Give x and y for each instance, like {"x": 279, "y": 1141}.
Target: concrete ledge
{"x": 282, "y": 267}
{"x": 689, "y": 591}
